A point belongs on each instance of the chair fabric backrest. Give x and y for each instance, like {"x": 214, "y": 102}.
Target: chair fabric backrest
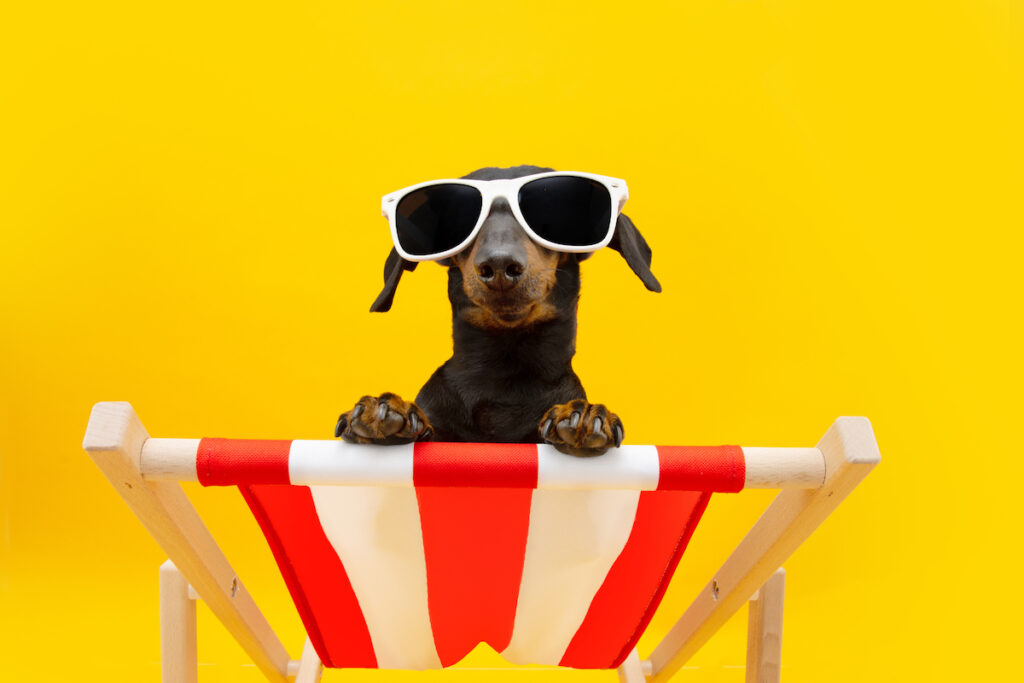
{"x": 415, "y": 577}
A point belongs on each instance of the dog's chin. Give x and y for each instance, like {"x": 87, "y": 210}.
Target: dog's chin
{"x": 513, "y": 315}
{"x": 508, "y": 312}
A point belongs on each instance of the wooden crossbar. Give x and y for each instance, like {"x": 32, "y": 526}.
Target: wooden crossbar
{"x": 337, "y": 463}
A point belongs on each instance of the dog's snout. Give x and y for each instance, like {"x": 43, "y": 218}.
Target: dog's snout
{"x": 500, "y": 270}
{"x": 500, "y": 257}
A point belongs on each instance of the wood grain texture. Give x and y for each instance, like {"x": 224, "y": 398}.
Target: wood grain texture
{"x": 179, "y": 662}
{"x": 310, "y": 669}
{"x": 764, "y": 631}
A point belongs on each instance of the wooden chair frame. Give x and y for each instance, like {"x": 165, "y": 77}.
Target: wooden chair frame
{"x": 197, "y": 567}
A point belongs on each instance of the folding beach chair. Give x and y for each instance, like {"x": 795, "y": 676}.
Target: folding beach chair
{"x": 407, "y": 557}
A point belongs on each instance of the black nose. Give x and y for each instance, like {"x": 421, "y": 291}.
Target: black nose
{"x": 501, "y": 249}
{"x": 500, "y": 270}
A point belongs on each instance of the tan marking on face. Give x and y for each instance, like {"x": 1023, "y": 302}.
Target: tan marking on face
{"x": 523, "y": 305}
{"x": 478, "y": 316}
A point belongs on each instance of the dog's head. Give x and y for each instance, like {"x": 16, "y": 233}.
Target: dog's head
{"x": 507, "y": 279}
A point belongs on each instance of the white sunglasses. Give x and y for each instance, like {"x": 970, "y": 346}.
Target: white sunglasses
{"x": 560, "y": 210}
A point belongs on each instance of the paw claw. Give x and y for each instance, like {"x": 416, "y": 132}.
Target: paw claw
{"x": 581, "y": 428}
{"x": 385, "y": 419}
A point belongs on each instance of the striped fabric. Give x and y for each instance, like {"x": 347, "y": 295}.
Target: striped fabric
{"x": 484, "y": 546}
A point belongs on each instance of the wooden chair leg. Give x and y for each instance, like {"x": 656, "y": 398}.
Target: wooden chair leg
{"x": 632, "y": 670}
{"x": 310, "y": 668}
{"x": 178, "y": 659}
{"x": 764, "y": 631}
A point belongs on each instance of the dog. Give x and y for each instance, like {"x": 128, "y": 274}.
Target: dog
{"x": 510, "y": 377}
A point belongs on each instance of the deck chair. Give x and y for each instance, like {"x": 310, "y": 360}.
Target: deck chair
{"x": 407, "y": 557}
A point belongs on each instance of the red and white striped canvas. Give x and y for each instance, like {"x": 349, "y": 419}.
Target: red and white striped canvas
{"x": 482, "y": 546}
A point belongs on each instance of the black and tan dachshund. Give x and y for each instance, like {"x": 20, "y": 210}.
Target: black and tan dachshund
{"x": 510, "y": 377}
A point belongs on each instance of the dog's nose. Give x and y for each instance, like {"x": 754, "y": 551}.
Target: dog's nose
{"x": 501, "y": 250}
{"x": 500, "y": 270}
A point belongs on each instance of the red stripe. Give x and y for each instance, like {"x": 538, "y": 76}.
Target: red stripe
{"x": 505, "y": 465}
{"x": 228, "y": 462}
{"x": 633, "y": 588}
{"x": 702, "y": 468}
{"x": 314, "y": 574}
{"x": 474, "y": 541}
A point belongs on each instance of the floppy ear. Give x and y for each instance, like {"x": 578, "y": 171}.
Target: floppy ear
{"x": 393, "y": 269}
{"x": 631, "y": 244}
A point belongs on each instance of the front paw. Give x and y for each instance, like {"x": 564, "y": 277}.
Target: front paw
{"x": 581, "y": 428}
{"x": 386, "y": 420}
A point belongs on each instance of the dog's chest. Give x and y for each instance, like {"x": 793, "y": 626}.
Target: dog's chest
{"x": 499, "y": 421}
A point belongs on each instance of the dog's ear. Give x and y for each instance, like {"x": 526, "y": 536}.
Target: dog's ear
{"x": 393, "y": 269}
{"x": 631, "y": 244}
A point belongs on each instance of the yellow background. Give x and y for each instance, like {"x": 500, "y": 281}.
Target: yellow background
{"x": 189, "y": 197}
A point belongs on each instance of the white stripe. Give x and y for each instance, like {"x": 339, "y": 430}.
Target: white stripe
{"x": 574, "y": 538}
{"x": 327, "y": 462}
{"x": 626, "y": 467}
{"x": 376, "y": 533}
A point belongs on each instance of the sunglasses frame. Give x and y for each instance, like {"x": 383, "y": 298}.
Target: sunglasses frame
{"x": 507, "y": 189}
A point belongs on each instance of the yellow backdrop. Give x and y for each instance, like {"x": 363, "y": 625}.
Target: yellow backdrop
{"x": 189, "y": 197}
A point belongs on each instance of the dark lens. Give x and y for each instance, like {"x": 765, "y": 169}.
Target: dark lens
{"x": 434, "y": 219}
{"x": 567, "y": 210}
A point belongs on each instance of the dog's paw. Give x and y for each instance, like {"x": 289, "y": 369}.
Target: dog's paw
{"x": 581, "y": 428}
{"x": 386, "y": 420}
